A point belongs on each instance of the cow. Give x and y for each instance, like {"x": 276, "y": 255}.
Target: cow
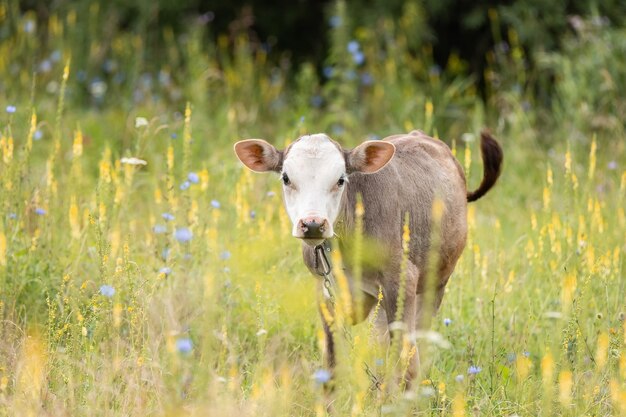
{"x": 398, "y": 175}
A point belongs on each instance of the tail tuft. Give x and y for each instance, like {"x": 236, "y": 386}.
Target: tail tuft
{"x": 492, "y": 165}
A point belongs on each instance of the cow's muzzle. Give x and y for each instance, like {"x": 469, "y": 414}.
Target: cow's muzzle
{"x": 315, "y": 228}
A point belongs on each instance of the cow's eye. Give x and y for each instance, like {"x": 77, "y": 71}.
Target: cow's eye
{"x": 285, "y": 179}
{"x": 341, "y": 182}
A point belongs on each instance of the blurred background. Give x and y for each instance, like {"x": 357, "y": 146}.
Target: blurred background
{"x": 169, "y": 52}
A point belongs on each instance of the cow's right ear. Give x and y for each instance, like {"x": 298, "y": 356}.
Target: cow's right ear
{"x": 259, "y": 155}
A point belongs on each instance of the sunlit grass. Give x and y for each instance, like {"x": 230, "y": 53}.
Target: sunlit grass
{"x": 144, "y": 271}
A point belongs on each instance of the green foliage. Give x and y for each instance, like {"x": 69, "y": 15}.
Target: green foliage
{"x": 131, "y": 289}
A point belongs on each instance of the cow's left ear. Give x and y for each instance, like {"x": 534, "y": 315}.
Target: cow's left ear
{"x": 369, "y": 157}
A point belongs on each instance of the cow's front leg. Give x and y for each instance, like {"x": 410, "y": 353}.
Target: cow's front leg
{"x": 327, "y": 314}
{"x": 398, "y": 329}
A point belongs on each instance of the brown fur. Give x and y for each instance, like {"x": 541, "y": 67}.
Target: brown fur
{"x": 423, "y": 169}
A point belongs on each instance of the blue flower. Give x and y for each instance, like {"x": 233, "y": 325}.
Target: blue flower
{"x": 473, "y": 370}
{"x": 173, "y": 136}
{"x": 12, "y": 216}
{"x": 40, "y": 211}
{"x": 166, "y": 270}
{"x": 447, "y": 321}
{"x": 193, "y": 178}
{"x": 159, "y": 228}
{"x": 328, "y": 72}
{"x": 45, "y": 66}
{"x": 367, "y": 79}
{"x": 167, "y": 216}
{"x": 358, "y": 58}
{"x": 354, "y": 47}
{"x": 183, "y": 235}
{"x": 252, "y": 214}
{"x": 459, "y": 378}
{"x": 321, "y": 376}
{"x": 225, "y": 255}
{"x": 55, "y": 56}
{"x": 11, "y": 109}
{"x": 38, "y": 134}
{"x": 316, "y": 101}
{"x": 165, "y": 253}
{"x": 334, "y": 21}
{"x": 184, "y": 345}
{"x": 107, "y": 291}
{"x": 216, "y": 204}
{"x": 379, "y": 362}
{"x": 185, "y": 185}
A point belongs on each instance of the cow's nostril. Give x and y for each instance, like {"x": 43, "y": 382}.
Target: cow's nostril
{"x": 313, "y": 228}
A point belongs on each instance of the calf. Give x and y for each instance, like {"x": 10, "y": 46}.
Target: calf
{"x": 400, "y": 174}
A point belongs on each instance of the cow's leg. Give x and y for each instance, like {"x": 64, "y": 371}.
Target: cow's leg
{"x": 391, "y": 288}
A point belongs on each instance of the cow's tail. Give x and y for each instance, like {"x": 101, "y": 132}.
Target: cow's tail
{"x": 492, "y": 165}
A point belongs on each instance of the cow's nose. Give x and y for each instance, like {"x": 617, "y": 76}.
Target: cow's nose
{"x": 313, "y": 227}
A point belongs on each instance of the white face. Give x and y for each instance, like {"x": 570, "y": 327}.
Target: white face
{"x": 314, "y": 179}
{"x": 314, "y": 175}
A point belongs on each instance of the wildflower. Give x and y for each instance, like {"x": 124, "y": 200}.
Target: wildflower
{"x": 133, "y": 161}
{"x": 173, "y": 136}
{"x": 185, "y": 185}
{"x": 141, "y": 122}
{"x": 261, "y": 332}
{"x": 334, "y": 21}
{"x": 321, "y": 376}
{"x": 12, "y": 216}
{"x": 473, "y": 370}
{"x": 447, "y": 321}
{"x": 459, "y": 378}
{"x": 167, "y": 216}
{"x": 193, "y": 178}
{"x": 252, "y": 214}
{"x": 367, "y": 79}
{"x": 183, "y": 235}
{"x": 159, "y": 229}
{"x": 29, "y": 26}
{"x": 45, "y": 66}
{"x": 98, "y": 88}
{"x": 37, "y": 135}
{"x": 11, "y": 109}
{"x": 40, "y": 211}
{"x": 358, "y": 58}
{"x": 379, "y": 362}
{"x": 316, "y": 101}
{"x": 354, "y": 47}
{"x": 184, "y": 345}
{"x": 165, "y": 270}
{"x": 107, "y": 291}
{"x": 165, "y": 253}
{"x": 328, "y": 72}
{"x": 225, "y": 255}
{"x": 216, "y": 204}
{"x": 612, "y": 165}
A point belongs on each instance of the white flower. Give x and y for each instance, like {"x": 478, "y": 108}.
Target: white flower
{"x": 140, "y": 122}
{"x": 133, "y": 161}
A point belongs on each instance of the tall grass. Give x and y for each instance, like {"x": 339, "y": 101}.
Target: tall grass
{"x": 173, "y": 287}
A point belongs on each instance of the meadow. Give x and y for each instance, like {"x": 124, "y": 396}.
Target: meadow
{"x": 144, "y": 271}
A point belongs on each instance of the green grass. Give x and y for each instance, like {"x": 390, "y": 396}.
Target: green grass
{"x": 536, "y": 301}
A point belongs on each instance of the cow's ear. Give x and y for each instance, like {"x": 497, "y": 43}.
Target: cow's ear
{"x": 259, "y": 155}
{"x": 370, "y": 156}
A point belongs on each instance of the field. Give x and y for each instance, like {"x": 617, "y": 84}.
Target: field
{"x": 144, "y": 271}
